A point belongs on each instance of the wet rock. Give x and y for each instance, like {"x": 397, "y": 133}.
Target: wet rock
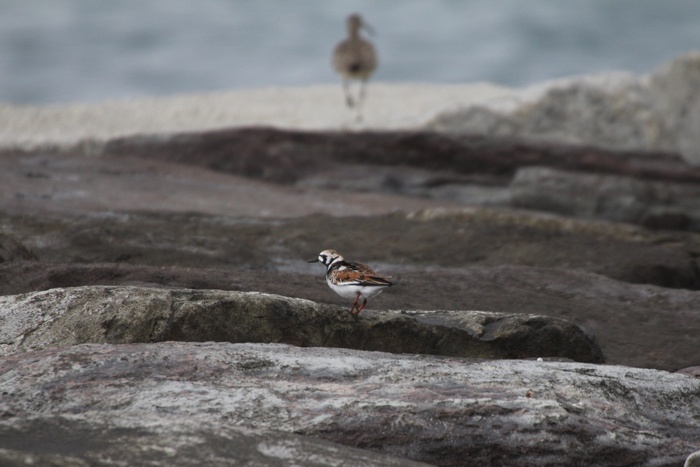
{"x": 616, "y": 198}
{"x": 431, "y": 409}
{"x": 63, "y": 317}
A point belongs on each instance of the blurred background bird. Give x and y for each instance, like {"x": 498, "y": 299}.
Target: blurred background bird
{"x": 355, "y": 59}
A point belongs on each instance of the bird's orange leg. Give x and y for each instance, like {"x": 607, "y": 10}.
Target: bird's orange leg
{"x": 354, "y": 305}
{"x": 364, "y": 303}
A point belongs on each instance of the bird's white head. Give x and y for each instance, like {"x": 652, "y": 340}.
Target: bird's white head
{"x": 327, "y": 257}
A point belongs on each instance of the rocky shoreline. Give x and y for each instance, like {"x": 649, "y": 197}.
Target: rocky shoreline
{"x": 155, "y": 286}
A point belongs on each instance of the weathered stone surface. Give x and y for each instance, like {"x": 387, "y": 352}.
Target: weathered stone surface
{"x": 612, "y": 110}
{"x": 64, "y": 184}
{"x": 446, "y": 238}
{"x": 414, "y": 165}
{"x": 430, "y": 409}
{"x": 63, "y": 317}
{"x": 658, "y": 112}
{"x": 12, "y": 250}
{"x": 635, "y": 325}
{"x": 164, "y": 440}
{"x": 288, "y": 156}
{"x": 475, "y": 259}
{"x": 674, "y": 89}
{"x": 615, "y": 198}
{"x": 693, "y": 371}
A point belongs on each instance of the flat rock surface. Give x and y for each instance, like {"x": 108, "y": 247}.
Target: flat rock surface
{"x": 70, "y": 183}
{"x": 624, "y": 284}
{"x": 98, "y": 314}
{"x": 435, "y": 410}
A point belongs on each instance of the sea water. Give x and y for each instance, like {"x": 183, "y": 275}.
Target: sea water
{"x": 59, "y": 51}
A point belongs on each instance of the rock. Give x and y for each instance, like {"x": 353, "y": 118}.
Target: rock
{"x": 693, "y": 371}
{"x": 430, "y": 409}
{"x": 336, "y": 158}
{"x": 12, "y": 250}
{"x": 452, "y": 238}
{"x": 612, "y": 111}
{"x": 47, "y": 184}
{"x": 167, "y": 205}
{"x": 650, "y": 327}
{"x": 118, "y": 315}
{"x": 166, "y": 441}
{"x": 674, "y": 87}
{"x": 610, "y": 197}
{"x": 475, "y": 259}
{"x": 418, "y": 164}
{"x": 619, "y": 111}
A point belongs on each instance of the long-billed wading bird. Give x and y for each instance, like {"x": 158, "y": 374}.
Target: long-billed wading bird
{"x": 351, "y": 280}
{"x": 355, "y": 59}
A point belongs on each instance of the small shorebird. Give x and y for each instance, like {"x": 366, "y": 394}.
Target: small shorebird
{"x": 355, "y": 59}
{"x": 351, "y": 280}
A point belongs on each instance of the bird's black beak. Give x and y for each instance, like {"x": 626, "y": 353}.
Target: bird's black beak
{"x": 313, "y": 261}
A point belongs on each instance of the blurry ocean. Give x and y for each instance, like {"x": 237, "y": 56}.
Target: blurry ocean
{"x": 59, "y": 51}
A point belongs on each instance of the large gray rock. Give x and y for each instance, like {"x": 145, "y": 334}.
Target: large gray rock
{"x": 611, "y": 197}
{"x": 675, "y": 89}
{"x": 445, "y": 411}
{"x": 658, "y": 112}
{"x": 650, "y": 327}
{"x": 98, "y": 314}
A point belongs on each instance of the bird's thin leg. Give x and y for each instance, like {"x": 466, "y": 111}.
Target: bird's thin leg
{"x": 361, "y": 100}
{"x": 348, "y": 95}
{"x": 364, "y": 303}
{"x": 354, "y": 304}
{"x": 363, "y": 91}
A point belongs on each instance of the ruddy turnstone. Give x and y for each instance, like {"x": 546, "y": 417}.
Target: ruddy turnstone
{"x": 355, "y": 59}
{"x": 351, "y": 280}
